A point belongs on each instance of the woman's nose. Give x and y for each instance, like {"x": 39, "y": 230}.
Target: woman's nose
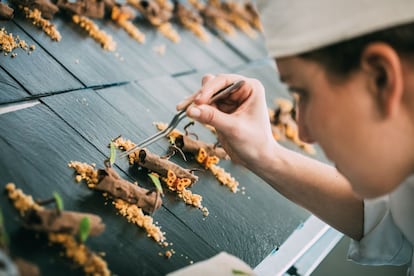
{"x": 304, "y": 134}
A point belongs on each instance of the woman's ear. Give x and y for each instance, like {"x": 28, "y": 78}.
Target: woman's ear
{"x": 384, "y": 72}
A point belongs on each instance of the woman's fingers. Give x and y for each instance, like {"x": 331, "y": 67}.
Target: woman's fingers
{"x": 210, "y": 85}
{"x": 207, "y": 114}
{"x": 213, "y": 84}
{"x": 206, "y": 78}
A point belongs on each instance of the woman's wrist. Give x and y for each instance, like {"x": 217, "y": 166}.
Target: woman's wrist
{"x": 265, "y": 160}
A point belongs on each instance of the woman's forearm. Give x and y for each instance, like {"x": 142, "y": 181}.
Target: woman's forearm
{"x": 316, "y": 186}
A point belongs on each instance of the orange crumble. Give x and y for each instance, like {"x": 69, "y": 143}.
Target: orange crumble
{"x": 48, "y": 28}
{"x": 105, "y": 40}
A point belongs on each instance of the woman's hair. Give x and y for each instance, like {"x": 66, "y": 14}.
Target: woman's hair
{"x": 343, "y": 58}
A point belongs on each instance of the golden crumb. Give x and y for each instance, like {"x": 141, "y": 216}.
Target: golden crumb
{"x": 210, "y": 162}
{"x": 122, "y": 18}
{"x": 36, "y": 16}
{"x": 225, "y": 178}
{"x": 91, "y": 262}
{"x": 95, "y": 32}
{"x": 85, "y": 172}
{"x": 168, "y": 254}
{"x": 21, "y": 201}
{"x": 135, "y": 215}
{"x": 7, "y": 42}
{"x": 224, "y": 25}
{"x": 191, "y": 199}
{"x": 197, "y": 29}
{"x": 125, "y": 144}
{"x": 132, "y": 30}
{"x": 169, "y": 32}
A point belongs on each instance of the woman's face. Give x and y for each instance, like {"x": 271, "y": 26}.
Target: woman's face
{"x": 343, "y": 117}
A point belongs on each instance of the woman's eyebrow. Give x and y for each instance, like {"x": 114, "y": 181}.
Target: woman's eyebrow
{"x": 298, "y": 90}
{"x": 292, "y": 89}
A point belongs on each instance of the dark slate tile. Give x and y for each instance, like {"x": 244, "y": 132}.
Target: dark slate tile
{"x": 36, "y": 147}
{"x": 190, "y": 51}
{"x": 10, "y": 90}
{"x": 140, "y": 107}
{"x": 38, "y": 73}
{"x": 171, "y": 61}
{"x": 85, "y": 57}
{"x": 250, "y": 48}
{"x": 166, "y": 91}
{"x": 265, "y": 71}
{"x": 217, "y": 50}
{"x": 193, "y": 81}
{"x": 99, "y": 119}
{"x": 144, "y": 57}
{"x": 94, "y": 118}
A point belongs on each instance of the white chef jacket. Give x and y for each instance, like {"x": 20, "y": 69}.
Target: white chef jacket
{"x": 388, "y": 229}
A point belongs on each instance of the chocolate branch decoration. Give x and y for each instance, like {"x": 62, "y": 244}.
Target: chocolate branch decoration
{"x": 111, "y": 182}
{"x": 47, "y": 8}
{"x": 6, "y": 13}
{"x": 176, "y": 177}
{"x": 45, "y": 220}
{"x": 205, "y": 154}
{"x": 130, "y": 199}
{"x": 87, "y": 8}
{"x": 61, "y": 228}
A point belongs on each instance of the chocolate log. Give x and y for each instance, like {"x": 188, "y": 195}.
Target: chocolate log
{"x": 50, "y": 220}
{"x": 187, "y": 144}
{"x": 184, "y": 13}
{"x": 118, "y": 187}
{"x": 47, "y": 8}
{"x": 6, "y": 13}
{"x": 161, "y": 166}
{"x": 88, "y": 8}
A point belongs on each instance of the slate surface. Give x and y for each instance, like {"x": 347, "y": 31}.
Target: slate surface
{"x": 35, "y": 140}
{"x": 10, "y": 90}
{"x": 89, "y": 96}
{"x": 38, "y": 73}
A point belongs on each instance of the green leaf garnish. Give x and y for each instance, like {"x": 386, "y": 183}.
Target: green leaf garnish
{"x": 112, "y": 155}
{"x": 239, "y": 272}
{"x": 4, "y": 239}
{"x": 84, "y": 229}
{"x": 1, "y": 219}
{"x": 156, "y": 181}
{"x": 59, "y": 201}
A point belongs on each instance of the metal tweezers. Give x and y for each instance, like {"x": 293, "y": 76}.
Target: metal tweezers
{"x": 181, "y": 115}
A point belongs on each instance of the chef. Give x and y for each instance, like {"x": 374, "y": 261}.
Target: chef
{"x": 351, "y": 66}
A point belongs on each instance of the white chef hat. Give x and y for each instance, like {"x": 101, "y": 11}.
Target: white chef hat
{"x": 294, "y": 27}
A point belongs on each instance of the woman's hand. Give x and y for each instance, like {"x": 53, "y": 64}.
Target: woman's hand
{"x": 241, "y": 119}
